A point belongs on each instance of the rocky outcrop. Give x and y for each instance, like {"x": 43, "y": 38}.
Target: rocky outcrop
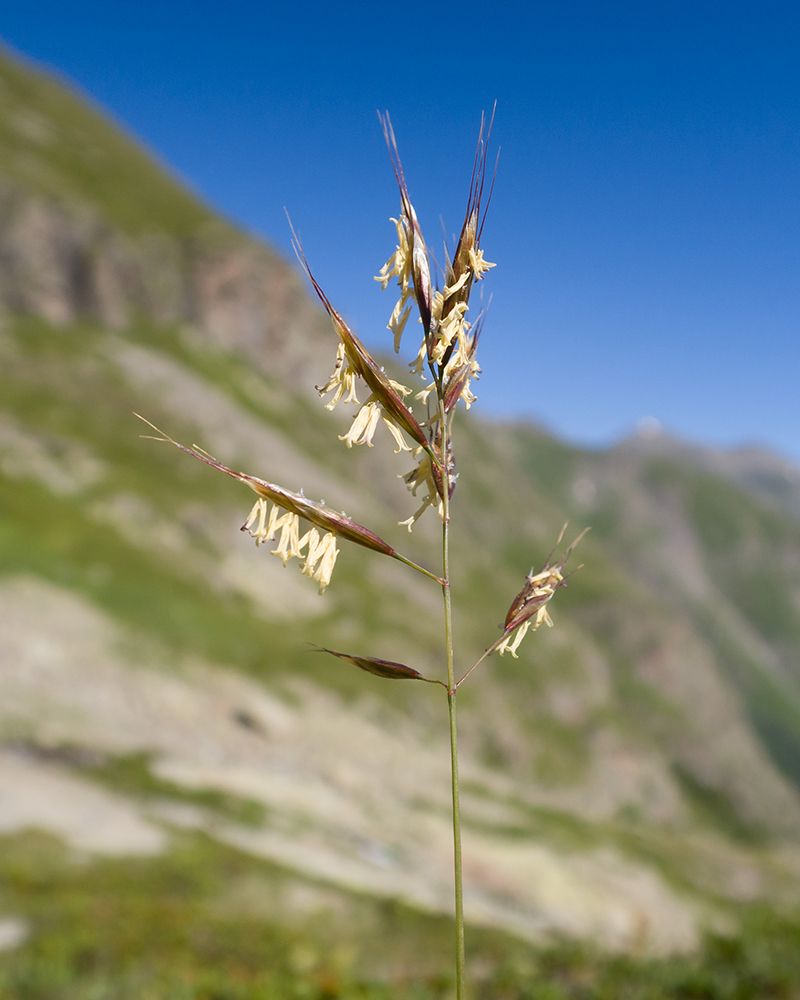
{"x": 62, "y": 262}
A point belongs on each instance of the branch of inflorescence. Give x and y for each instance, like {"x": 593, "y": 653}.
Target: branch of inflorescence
{"x": 420, "y": 569}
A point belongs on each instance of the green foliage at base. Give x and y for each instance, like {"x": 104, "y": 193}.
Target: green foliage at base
{"x": 205, "y": 922}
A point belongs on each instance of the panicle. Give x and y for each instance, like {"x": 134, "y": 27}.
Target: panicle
{"x": 448, "y": 345}
{"x": 354, "y": 360}
{"x": 449, "y": 341}
{"x": 529, "y": 608}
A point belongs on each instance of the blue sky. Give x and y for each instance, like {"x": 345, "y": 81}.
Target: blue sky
{"x": 646, "y": 216}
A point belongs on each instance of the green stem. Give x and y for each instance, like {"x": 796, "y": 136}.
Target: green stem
{"x": 451, "y": 704}
{"x": 413, "y": 565}
{"x": 460, "y": 954}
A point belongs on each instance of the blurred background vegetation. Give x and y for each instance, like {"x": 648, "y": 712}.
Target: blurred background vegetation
{"x": 193, "y": 804}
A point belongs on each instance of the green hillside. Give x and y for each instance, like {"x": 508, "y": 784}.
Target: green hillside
{"x": 195, "y": 803}
{"x": 54, "y": 144}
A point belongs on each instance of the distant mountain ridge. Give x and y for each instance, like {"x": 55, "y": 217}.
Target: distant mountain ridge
{"x": 756, "y": 469}
{"x": 632, "y": 778}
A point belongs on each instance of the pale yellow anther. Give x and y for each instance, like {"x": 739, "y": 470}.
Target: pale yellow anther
{"x": 311, "y": 540}
{"x": 399, "y": 388}
{"x": 326, "y": 553}
{"x": 362, "y": 429}
{"x": 399, "y": 265}
{"x": 421, "y": 476}
{"x": 416, "y": 367}
{"x": 399, "y": 318}
{"x": 452, "y": 289}
{"x": 478, "y": 264}
{"x": 397, "y": 435}
{"x": 289, "y": 542}
{"x": 321, "y": 552}
{"x": 343, "y": 380}
{"x": 265, "y": 529}
{"x": 511, "y": 642}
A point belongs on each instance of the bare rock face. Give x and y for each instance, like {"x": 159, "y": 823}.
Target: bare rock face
{"x": 62, "y": 262}
{"x": 245, "y": 299}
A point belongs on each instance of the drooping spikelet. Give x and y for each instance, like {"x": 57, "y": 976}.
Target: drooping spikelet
{"x": 284, "y": 516}
{"x": 529, "y": 608}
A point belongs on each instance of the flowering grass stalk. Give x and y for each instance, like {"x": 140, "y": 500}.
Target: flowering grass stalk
{"x": 446, "y": 364}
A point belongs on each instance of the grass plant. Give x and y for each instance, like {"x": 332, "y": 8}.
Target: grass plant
{"x": 446, "y": 363}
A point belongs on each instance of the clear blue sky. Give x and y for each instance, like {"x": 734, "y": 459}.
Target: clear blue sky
{"x": 647, "y": 211}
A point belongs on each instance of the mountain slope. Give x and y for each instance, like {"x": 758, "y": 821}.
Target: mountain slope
{"x": 632, "y": 778}
{"x": 91, "y": 228}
